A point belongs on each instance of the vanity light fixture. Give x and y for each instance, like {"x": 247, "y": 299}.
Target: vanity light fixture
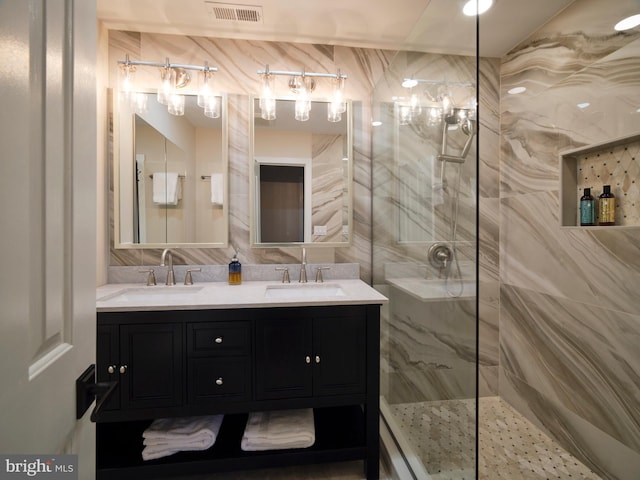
{"x": 173, "y": 79}
{"x": 431, "y": 107}
{"x": 301, "y": 84}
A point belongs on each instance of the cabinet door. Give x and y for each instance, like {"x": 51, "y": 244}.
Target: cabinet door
{"x": 339, "y": 355}
{"x": 107, "y": 361}
{"x": 283, "y": 357}
{"x": 151, "y": 355}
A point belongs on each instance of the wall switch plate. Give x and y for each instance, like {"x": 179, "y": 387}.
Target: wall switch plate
{"x": 319, "y": 229}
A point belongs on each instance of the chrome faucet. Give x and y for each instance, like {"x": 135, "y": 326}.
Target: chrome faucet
{"x": 303, "y": 266}
{"x": 171, "y": 279}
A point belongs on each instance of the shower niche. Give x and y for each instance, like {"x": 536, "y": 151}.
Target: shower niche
{"x": 615, "y": 163}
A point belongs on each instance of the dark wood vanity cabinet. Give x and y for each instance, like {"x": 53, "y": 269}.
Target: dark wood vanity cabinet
{"x": 146, "y": 362}
{"x": 319, "y": 356}
{"x": 198, "y": 362}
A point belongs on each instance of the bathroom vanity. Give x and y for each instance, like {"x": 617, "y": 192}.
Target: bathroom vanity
{"x": 189, "y": 351}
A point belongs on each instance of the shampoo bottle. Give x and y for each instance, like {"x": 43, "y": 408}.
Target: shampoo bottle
{"x": 606, "y": 207}
{"x": 235, "y": 270}
{"x": 587, "y": 209}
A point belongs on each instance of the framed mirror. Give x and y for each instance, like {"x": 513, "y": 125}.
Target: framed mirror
{"x": 170, "y": 175}
{"x": 301, "y": 177}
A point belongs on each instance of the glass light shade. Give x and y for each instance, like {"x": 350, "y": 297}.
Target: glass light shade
{"x": 166, "y": 86}
{"x": 338, "y": 96}
{"x": 404, "y": 114}
{"x": 302, "y": 109}
{"x": 139, "y": 102}
{"x": 205, "y": 91}
{"x": 176, "y": 104}
{"x": 267, "y": 101}
{"x": 333, "y": 112}
{"x": 212, "y": 107}
{"x": 127, "y": 73}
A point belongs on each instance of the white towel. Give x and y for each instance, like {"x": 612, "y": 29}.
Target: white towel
{"x": 166, "y": 436}
{"x": 279, "y": 430}
{"x": 166, "y": 188}
{"x": 217, "y": 188}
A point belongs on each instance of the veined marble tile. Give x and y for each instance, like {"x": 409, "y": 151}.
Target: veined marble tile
{"x": 579, "y": 356}
{"x": 537, "y": 255}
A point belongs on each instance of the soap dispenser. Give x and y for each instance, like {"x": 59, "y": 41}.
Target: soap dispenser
{"x": 235, "y": 270}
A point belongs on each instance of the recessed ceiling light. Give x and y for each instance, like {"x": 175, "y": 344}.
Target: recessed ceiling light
{"x": 628, "y": 23}
{"x": 376, "y": 123}
{"x": 476, "y": 7}
{"x": 409, "y": 83}
{"x": 583, "y": 105}
{"x": 517, "y": 90}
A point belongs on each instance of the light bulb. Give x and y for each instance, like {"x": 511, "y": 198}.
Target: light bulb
{"x": 267, "y": 101}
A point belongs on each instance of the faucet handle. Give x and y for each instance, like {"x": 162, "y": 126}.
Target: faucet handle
{"x": 151, "y": 278}
{"x": 285, "y": 275}
{"x": 319, "y": 270}
{"x": 188, "y": 279}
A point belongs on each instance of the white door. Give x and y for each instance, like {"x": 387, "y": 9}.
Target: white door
{"x": 47, "y": 217}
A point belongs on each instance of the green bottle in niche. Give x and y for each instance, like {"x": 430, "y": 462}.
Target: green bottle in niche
{"x": 587, "y": 209}
{"x": 606, "y": 207}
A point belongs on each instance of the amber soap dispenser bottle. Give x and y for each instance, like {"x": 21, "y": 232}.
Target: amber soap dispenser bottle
{"x": 235, "y": 270}
{"x": 606, "y": 207}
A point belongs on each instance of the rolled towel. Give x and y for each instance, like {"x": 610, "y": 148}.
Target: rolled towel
{"x": 166, "y": 436}
{"x": 278, "y": 430}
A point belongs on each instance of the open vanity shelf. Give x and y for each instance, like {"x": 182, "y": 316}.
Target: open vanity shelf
{"x": 172, "y": 359}
{"x": 340, "y": 435}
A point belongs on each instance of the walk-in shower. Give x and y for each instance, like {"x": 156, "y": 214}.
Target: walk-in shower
{"x": 424, "y": 256}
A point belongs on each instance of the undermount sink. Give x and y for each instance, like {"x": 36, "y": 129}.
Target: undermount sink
{"x": 142, "y": 294}
{"x": 304, "y": 290}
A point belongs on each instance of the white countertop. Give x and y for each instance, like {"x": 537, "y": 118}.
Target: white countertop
{"x": 119, "y": 297}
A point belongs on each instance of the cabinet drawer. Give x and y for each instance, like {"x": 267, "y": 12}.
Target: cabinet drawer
{"x": 219, "y": 379}
{"x": 218, "y": 338}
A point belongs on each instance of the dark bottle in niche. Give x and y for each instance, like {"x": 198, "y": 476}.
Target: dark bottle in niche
{"x": 606, "y": 207}
{"x": 587, "y": 209}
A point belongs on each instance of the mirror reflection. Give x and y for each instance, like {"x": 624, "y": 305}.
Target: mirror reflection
{"x": 301, "y": 182}
{"x": 170, "y": 173}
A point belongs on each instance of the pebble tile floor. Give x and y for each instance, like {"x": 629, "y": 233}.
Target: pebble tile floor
{"x": 511, "y": 447}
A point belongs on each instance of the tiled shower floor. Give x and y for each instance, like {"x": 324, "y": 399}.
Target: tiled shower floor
{"x": 511, "y": 447}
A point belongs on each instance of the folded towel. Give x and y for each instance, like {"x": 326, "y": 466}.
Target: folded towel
{"x": 166, "y": 436}
{"x": 279, "y": 430}
{"x": 166, "y": 188}
{"x": 217, "y": 188}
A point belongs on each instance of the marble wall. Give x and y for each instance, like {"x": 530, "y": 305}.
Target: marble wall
{"x": 238, "y": 61}
{"x": 569, "y": 302}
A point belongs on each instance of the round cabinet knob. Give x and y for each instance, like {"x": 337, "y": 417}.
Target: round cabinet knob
{"x": 317, "y": 358}
{"x": 218, "y": 340}
{"x": 123, "y": 369}
{"x": 219, "y": 381}
{"x": 307, "y": 359}
{"x": 111, "y": 369}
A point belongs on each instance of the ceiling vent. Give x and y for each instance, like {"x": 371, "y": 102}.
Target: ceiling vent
{"x": 229, "y": 12}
